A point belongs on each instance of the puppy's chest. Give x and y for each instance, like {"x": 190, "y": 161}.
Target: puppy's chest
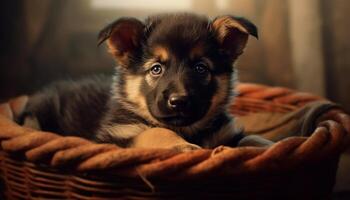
{"x": 123, "y": 134}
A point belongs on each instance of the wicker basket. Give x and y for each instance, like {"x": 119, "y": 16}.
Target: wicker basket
{"x": 49, "y": 166}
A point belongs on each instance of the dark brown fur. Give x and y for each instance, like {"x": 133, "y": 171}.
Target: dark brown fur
{"x": 190, "y": 95}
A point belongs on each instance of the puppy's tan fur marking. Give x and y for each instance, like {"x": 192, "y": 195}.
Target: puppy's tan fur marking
{"x": 132, "y": 89}
{"x": 133, "y": 94}
{"x": 161, "y": 53}
{"x": 150, "y": 80}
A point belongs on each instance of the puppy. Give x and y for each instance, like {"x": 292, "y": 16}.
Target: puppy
{"x": 174, "y": 71}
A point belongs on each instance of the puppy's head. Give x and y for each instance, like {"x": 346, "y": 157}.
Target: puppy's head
{"x": 177, "y": 68}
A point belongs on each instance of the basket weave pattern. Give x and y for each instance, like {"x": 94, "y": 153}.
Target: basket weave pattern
{"x": 49, "y": 166}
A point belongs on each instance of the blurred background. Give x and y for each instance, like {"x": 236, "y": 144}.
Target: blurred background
{"x": 303, "y": 44}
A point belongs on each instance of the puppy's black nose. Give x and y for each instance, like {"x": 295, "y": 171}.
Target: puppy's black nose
{"x": 178, "y": 101}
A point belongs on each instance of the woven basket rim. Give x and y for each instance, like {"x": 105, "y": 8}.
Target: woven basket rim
{"x": 328, "y": 140}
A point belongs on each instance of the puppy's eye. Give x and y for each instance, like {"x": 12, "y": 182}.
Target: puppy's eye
{"x": 201, "y": 68}
{"x": 156, "y": 69}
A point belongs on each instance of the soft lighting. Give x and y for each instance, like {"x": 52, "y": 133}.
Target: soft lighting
{"x": 142, "y": 4}
{"x": 222, "y": 4}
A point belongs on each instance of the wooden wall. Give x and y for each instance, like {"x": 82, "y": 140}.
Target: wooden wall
{"x": 337, "y": 50}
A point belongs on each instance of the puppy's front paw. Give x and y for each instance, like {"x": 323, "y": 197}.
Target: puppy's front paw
{"x": 186, "y": 147}
{"x": 162, "y": 138}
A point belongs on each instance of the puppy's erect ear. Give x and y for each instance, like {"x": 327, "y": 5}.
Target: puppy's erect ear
{"x": 124, "y": 38}
{"x": 232, "y": 33}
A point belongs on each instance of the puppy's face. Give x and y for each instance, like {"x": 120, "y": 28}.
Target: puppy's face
{"x": 177, "y": 68}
